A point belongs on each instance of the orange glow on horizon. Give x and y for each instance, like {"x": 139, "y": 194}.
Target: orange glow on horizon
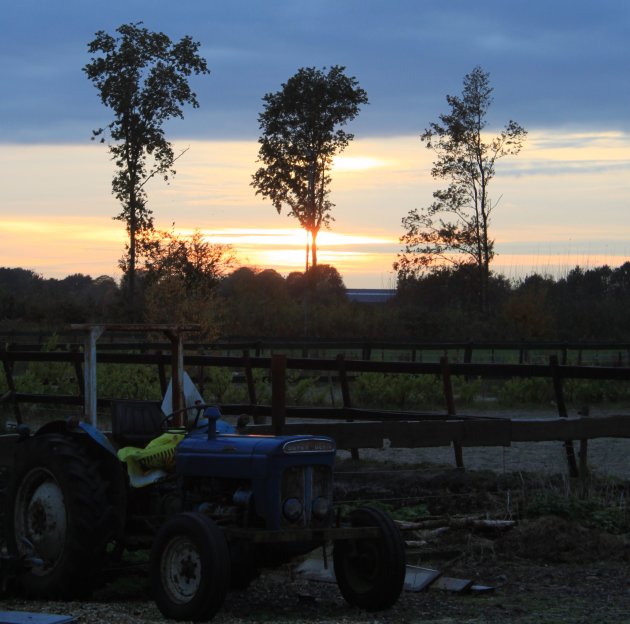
{"x": 561, "y": 204}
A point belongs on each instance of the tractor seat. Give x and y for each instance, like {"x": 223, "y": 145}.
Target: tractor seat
{"x": 135, "y": 423}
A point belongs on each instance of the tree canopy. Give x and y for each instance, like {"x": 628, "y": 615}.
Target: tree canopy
{"x": 455, "y": 228}
{"x": 143, "y": 77}
{"x": 193, "y": 259}
{"x": 301, "y": 133}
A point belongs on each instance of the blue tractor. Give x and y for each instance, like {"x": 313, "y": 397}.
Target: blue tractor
{"x": 220, "y": 507}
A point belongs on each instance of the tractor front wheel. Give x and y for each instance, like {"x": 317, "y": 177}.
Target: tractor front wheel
{"x": 190, "y": 567}
{"x": 371, "y": 571}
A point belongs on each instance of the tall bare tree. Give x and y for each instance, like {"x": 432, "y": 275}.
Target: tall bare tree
{"x": 455, "y": 228}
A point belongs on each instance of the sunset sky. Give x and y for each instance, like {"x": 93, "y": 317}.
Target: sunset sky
{"x": 561, "y": 69}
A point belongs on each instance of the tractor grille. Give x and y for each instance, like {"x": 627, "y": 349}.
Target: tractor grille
{"x": 308, "y": 484}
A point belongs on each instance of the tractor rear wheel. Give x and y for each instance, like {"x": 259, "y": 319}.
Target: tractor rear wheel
{"x": 57, "y": 517}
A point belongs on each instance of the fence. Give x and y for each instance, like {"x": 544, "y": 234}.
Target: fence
{"x": 354, "y": 428}
{"x": 520, "y": 352}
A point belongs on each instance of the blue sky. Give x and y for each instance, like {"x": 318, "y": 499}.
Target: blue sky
{"x": 552, "y": 63}
{"x": 560, "y": 68}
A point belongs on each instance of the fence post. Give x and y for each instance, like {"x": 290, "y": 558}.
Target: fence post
{"x": 278, "y": 392}
{"x": 345, "y": 394}
{"x": 468, "y": 353}
{"x": 89, "y": 366}
{"x": 450, "y": 406}
{"x": 78, "y": 371}
{"x": 251, "y": 389}
{"x": 562, "y": 412}
{"x": 162, "y": 375}
{"x": 8, "y": 373}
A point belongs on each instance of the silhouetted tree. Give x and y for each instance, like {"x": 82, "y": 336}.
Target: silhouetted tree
{"x": 301, "y": 133}
{"x": 142, "y": 77}
{"x": 455, "y": 228}
{"x": 199, "y": 263}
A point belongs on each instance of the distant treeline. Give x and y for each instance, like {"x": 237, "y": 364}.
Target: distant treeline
{"x": 586, "y": 304}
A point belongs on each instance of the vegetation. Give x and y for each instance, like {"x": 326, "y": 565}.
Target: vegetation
{"x": 455, "y": 228}
{"x": 142, "y": 77}
{"x": 301, "y": 133}
{"x": 585, "y": 305}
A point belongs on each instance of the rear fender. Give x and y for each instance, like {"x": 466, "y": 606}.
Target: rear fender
{"x": 74, "y": 428}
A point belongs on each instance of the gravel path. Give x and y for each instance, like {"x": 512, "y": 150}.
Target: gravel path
{"x": 606, "y": 456}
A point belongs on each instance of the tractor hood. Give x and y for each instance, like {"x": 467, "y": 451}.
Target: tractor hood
{"x": 241, "y": 456}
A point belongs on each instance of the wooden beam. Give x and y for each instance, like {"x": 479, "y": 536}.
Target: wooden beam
{"x": 278, "y": 392}
{"x": 432, "y": 433}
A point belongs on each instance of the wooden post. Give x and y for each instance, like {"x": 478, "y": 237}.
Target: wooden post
{"x": 251, "y": 389}
{"x": 8, "y": 373}
{"x": 78, "y": 371}
{"x": 278, "y": 392}
{"x": 89, "y": 357}
{"x": 345, "y": 394}
{"x": 343, "y": 380}
{"x": 583, "y": 454}
{"x": 450, "y": 407}
{"x": 162, "y": 376}
{"x": 177, "y": 379}
{"x": 562, "y": 412}
{"x": 468, "y": 353}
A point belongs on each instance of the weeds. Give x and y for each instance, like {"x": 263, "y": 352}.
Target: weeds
{"x": 597, "y": 503}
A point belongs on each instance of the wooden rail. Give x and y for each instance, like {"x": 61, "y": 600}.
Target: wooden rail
{"x": 354, "y": 428}
{"x": 521, "y": 352}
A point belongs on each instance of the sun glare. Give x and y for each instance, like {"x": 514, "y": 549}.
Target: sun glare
{"x": 285, "y": 249}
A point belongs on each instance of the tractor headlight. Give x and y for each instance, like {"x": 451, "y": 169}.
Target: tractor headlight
{"x": 292, "y": 509}
{"x": 321, "y": 508}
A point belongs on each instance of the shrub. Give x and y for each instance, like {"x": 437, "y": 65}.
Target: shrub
{"x": 528, "y": 391}
{"x": 128, "y": 381}
{"x": 397, "y": 391}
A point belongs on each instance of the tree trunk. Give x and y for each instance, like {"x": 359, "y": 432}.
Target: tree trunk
{"x": 308, "y": 249}
{"x": 131, "y": 270}
{"x": 314, "y": 248}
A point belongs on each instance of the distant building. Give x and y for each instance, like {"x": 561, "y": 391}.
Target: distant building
{"x": 370, "y": 295}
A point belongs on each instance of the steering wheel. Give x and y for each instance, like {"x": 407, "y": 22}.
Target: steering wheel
{"x": 170, "y": 418}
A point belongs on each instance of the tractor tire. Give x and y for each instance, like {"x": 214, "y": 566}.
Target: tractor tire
{"x": 370, "y": 572}
{"x": 189, "y": 568}
{"x": 58, "y": 517}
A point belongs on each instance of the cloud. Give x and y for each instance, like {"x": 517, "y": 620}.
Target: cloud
{"x": 550, "y": 63}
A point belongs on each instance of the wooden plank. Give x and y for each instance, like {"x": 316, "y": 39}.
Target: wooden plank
{"x": 27, "y": 617}
{"x": 423, "y": 434}
{"x": 605, "y": 427}
{"x": 544, "y": 429}
{"x": 488, "y": 432}
{"x": 432, "y": 433}
{"x": 278, "y": 392}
